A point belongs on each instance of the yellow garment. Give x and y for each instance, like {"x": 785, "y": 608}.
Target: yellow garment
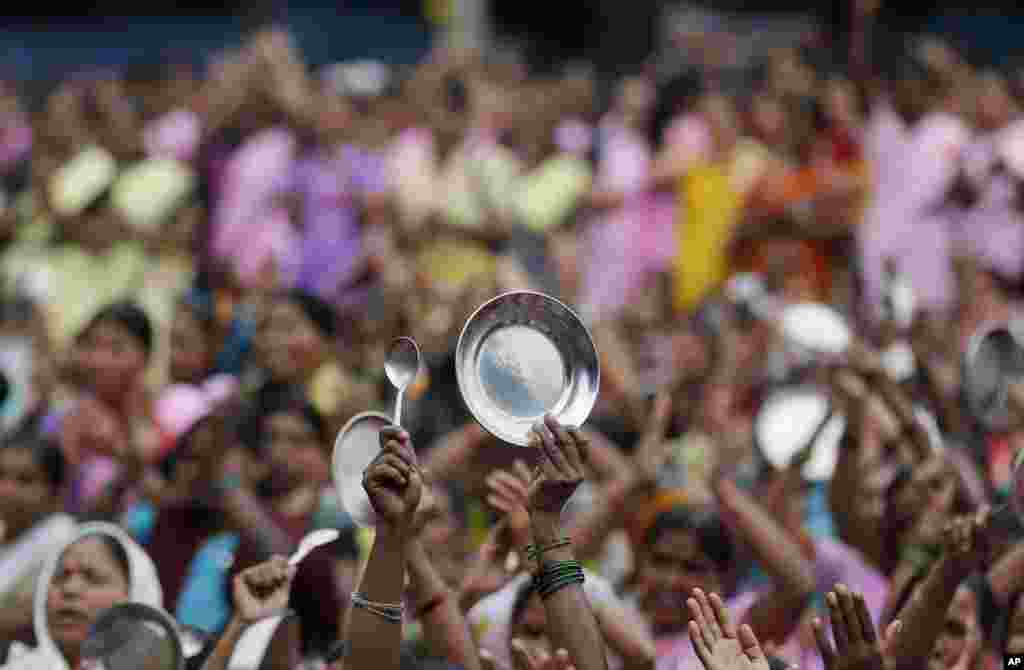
{"x": 710, "y": 206}
{"x": 77, "y": 283}
{"x": 552, "y": 192}
{"x": 456, "y": 262}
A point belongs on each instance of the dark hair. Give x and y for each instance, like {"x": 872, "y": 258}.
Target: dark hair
{"x": 317, "y": 310}
{"x": 279, "y": 400}
{"x": 712, "y": 536}
{"x": 127, "y": 315}
{"x": 46, "y": 455}
{"x": 116, "y": 549}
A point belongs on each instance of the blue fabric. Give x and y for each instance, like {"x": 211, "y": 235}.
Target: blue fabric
{"x": 204, "y": 601}
{"x": 139, "y": 521}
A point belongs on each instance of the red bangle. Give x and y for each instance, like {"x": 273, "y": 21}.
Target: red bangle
{"x": 431, "y": 605}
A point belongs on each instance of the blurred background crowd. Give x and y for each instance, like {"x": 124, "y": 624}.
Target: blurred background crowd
{"x": 203, "y": 269}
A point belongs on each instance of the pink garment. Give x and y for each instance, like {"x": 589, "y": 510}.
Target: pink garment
{"x": 176, "y": 135}
{"x": 248, "y": 221}
{"x": 271, "y": 244}
{"x": 993, "y": 229}
{"x": 182, "y": 406}
{"x": 910, "y": 217}
{"x": 628, "y": 243}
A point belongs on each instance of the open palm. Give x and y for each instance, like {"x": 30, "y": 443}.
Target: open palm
{"x": 719, "y": 645}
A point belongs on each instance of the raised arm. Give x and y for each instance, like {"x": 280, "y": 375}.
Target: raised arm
{"x": 776, "y": 614}
{"x": 559, "y": 577}
{"x": 394, "y": 485}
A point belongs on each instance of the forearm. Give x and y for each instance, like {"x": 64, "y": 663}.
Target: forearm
{"x": 444, "y": 626}
{"x": 570, "y": 621}
{"x": 373, "y": 641}
{"x": 923, "y": 616}
{"x": 221, "y": 655}
{"x": 626, "y": 637}
{"x": 605, "y": 516}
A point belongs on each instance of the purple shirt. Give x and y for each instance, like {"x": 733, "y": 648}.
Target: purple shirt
{"x": 993, "y": 228}
{"x": 910, "y": 217}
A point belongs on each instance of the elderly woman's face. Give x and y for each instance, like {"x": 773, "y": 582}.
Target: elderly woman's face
{"x": 88, "y": 581}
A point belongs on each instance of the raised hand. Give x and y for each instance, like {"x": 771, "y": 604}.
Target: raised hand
{"x": 262, "y": 590}
{"x": 508, "y": 493}
{"x": 393, "y": 482}
{"x": 525, "y": 658}
{"x": 857, "y": 646}
{"x": 965, "y": 541}
{"x": 653, "y": 451}
{"x": 561, "y": 468}
{"x": 719, "y": 645}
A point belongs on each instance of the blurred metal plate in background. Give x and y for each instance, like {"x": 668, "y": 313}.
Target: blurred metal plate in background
{"x": 522, "y": 355}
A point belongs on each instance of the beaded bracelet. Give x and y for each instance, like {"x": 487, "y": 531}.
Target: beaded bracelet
{"x": 388, "y": 611}
{"x": 556, "y": 576}
{"x": 533, "y": 553}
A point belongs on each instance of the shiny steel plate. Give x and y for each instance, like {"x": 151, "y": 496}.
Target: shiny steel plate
{"x": 521, "y": 355}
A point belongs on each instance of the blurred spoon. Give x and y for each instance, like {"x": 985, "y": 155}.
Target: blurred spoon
{"x": 311, "y": 541}
{"x": 401, "y": 367}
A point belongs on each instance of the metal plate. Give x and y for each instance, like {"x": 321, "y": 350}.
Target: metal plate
{"x": 132, "y": 635}
{"x": 357, "y": 444}
{"x": 521, "y": 355}
{"x": 787, "y": 422}
{"x": 816, "y": 328}
{"x": 994, "y": 358}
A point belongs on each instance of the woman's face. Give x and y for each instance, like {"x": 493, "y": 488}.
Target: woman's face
{"x": 531, "y": 628}
{"x": 25, "y": 490}
{"x": 667, "y": 574}
{"x": 111, "y": 359}
{"x": 190, "y": 350}
{"x": 840, "y": 103}
{"x": 289, "y": 345}
{"x": 88, "y": 581}
{"x": 294, "y": 450}
{"x": 960, "y": 634}
{"x": 768, "y": 118}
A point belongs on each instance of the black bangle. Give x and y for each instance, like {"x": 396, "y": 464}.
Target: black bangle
{"x": 555, "y": 576}
{"x": 338, "y": 651}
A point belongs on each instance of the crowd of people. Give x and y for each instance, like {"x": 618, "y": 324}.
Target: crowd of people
{"x": 203, "y": 273}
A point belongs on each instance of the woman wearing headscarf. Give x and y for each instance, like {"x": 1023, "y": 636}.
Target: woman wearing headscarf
{"x": 99, "y": 567}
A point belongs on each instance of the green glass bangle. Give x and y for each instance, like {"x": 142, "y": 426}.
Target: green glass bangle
{"x": 558, "y": 584}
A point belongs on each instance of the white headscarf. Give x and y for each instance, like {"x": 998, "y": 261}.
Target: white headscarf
{"x": 143, "y": 587}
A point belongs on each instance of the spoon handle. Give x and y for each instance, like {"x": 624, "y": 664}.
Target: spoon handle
{"x": 398, "y": 407}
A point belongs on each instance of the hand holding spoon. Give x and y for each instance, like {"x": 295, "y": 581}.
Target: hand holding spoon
{"x": 401, "y": 367}
{"x": 311, "y": 541}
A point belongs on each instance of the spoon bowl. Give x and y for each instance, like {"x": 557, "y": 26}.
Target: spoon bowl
{"x": 401, "y": 367}
{"x": 311, "y": 541}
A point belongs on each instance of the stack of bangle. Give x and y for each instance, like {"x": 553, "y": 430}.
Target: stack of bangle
{"x": 555, "y": 576}
{"x": 387, "y": 611}
{"x": 534, "y": 553}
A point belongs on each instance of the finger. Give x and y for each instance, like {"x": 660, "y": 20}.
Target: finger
{"x": 709, "y": 613}
{"x": 500, "y": 504}
{"x": 892, "y": 631}
{"x": 566, "y": 442}
{"x": 582, "y": 443}
{"x": 848, "y": 607}
{"x": 828, "y": 654}
{"x": 510, "y": 481}
{"x": 722, "y": 616}
{"x": 867, "y": 628}
{"x": 397, "y": 463}
{"x": 487, "y": 660}
{"x": 521, "y": 655}
{"x": 838, "y": 624}
{"x": 546, "y": 466}
{"x": 553, "y": 451}
{"x": 748, "y": 642}
{"x": 562, "y": 660}
{"x": 393, "y": 434}
{"x": 523, "y": 472}
{"x": 700, "y": 645}
{"x": 399, "y": 449}
{"x": 697, "y": 617}
{"x": 384, "y": 474}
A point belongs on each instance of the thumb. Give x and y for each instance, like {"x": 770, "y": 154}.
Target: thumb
{"x": 892, "y": 631}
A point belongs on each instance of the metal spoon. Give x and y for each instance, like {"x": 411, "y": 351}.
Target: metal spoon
{"x": 401, "y": 367}
{"x": 311, "y": 541}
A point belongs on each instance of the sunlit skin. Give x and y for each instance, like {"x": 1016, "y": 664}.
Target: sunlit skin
{"x": 668, "y": 573}
{"x": 112, "y": 361}
{"x": 959, "y": 631}
{"x": 25, "y": 490}
{"x": 87, "y": 582}
{"x": 289, "y": 345}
